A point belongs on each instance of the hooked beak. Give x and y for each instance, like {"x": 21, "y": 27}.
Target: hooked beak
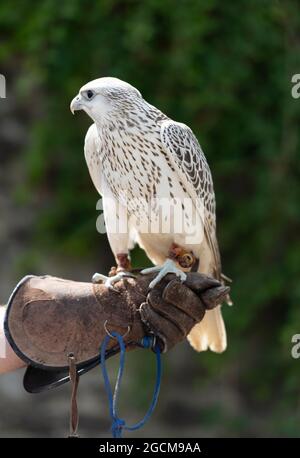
{"x": 76, "y": 104}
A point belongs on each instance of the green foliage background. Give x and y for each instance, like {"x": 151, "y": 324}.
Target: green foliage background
{"x": 223, "y": 68}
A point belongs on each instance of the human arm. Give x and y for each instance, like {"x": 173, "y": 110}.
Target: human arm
{"x": 9, "y": 361}
{"x": 49, "y": 318}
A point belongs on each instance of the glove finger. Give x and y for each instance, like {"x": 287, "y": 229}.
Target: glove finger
{"x": 184, "y": 299}
{"x": 200, "y": 282}
{"x": 177, "y": 316}
{"x": 214, "y": 296}
{"x": 166, "y": 330}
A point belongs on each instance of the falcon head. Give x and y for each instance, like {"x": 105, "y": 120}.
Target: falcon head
{"x": 102, "y": 97}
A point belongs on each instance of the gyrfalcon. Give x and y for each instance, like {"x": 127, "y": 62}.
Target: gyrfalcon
{"x": 139, "y": 158}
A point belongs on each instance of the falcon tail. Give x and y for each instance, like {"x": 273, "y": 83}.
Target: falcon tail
{"x": 210, "y": 334}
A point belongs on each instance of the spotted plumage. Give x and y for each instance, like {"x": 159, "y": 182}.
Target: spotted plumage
{"x": 137, "y": 155}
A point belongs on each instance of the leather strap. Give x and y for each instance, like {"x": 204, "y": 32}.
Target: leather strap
{"x": 74, "y": 417}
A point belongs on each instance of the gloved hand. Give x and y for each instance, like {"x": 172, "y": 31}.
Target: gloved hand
{"x": 173, "y": 308}
{"x": 49, "y": 318}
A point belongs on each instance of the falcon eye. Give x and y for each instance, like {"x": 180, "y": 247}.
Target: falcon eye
{"x": 90, "y": 94}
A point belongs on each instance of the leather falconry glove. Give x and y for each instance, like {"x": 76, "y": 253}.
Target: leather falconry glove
{"x": 50, "y": 320}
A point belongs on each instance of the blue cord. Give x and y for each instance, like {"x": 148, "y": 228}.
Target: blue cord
{"x": 117, "y": 423}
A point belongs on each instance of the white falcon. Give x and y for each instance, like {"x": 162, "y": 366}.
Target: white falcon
{"x": 137, "y": 158}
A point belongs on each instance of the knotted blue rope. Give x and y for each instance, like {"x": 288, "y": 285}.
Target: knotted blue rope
{"x": 118, "y": 424}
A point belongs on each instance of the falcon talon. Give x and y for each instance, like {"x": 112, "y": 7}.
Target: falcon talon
{"x": 168, "y": 267}
{"x": 111, "y": 288}
{"x": 110, "y": 281}
{"x": 98, "y": 278}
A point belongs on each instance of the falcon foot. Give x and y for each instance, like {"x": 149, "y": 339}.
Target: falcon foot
{"x": 169, "y": 267}
{"x": 110, "y": 281}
